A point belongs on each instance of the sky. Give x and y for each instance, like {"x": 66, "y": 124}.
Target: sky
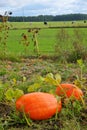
{"x": 43, "y": 7}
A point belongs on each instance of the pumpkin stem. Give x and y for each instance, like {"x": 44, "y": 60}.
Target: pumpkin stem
{"x": 62, "y": 90}
{"x": 56, "y": 115}
{"x": 83, "y": 102}
{"x": 27, "y": 119}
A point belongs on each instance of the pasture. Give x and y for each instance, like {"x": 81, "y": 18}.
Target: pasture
{"x": 49, "y": 24}
{"x": 47, "y": 37}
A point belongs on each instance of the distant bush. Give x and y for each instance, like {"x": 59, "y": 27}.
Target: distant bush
{"x": 77, "y": 51}
{"x": 62, "y": 37}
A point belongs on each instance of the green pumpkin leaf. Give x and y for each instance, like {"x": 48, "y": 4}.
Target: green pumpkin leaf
{"x": 50, "y": 75}
{"x": 34, "y": 87}
{"x": 9, "y": 94}
{"x": 24, "y": 78}
{"x": 12, "y": 95}
{"x": 52, "y": 91}
{"x": 39, "y": 79}
{"x": 18, "y": 93}
{"x": 80, "y": 63}
{"x": 58, "y": 78}
{"x": 50, "y": 80}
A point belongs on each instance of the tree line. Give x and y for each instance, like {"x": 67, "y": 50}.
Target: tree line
{"x": 41, "y": 18}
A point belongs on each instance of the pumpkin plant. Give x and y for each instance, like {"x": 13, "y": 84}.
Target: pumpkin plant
{"x": 38, "y": 105}
{"x": 69, "y": 90}
{"x": 65, "y": 90}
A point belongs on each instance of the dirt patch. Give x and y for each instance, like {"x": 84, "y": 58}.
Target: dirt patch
{"x": 5, "y": 110}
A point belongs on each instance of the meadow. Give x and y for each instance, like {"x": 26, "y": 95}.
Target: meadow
{"x": 48, "y": 37}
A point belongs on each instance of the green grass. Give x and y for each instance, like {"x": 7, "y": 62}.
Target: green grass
{"x": 46, "y": 40}
{"x": 47, "y": 37}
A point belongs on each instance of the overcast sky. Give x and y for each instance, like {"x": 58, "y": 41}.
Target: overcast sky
{"x": 43, "y": 7}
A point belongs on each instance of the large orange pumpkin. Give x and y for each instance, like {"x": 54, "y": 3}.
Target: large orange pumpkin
{"x": 69, "y": 90}
{"x": 38, "y": 105}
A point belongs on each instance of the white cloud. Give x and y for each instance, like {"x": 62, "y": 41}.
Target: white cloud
{"x": 37, "y": 7}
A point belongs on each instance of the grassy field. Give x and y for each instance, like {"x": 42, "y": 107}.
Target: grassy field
{"x": 47, "y": 37}
{"x": 49, "y": 24}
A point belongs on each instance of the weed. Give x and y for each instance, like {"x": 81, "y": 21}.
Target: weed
{"x": 2, "y": 91}
{"x": 62, "y": 38}
{"x": 71, "y": 115}
{"x": 1, "y": 124}
{"x": 30, "y": 35}
{"x": 79, "y": 50}
{"x": 3, "y": 72}
{"x": 4, "y": 31}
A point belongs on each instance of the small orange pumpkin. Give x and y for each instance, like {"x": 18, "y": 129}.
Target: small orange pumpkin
{"x": 38, "y": 105}
{"x": 77, "y": 93}
{"x": 69, "y": 90}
